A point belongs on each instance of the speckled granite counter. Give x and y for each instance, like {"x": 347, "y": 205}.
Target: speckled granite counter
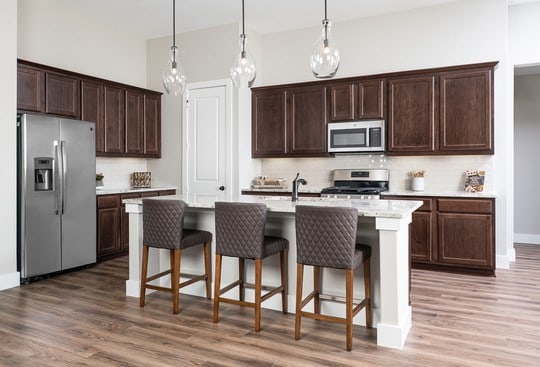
{"x": 382, "y": 224}
{"x": 453, "y": 194}
{"x": 126, "y": 190}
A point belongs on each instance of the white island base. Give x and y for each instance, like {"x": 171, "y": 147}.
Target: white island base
{"x": 383, "y": 224}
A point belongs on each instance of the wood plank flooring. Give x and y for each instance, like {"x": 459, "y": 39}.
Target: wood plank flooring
{"x": 84, "y": 319}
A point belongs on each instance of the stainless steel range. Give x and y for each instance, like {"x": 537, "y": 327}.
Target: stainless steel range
{"x": 357, "y": 184}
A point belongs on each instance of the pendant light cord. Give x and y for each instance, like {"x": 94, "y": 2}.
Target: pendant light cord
{"x": 174, "y": 23}
{"x": 243, "y": 30}
{"x": 325, "y": 23}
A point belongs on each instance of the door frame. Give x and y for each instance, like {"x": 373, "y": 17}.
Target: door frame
{"x": 229, "y": 169}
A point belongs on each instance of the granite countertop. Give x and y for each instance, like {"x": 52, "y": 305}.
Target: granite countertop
{"x": 302, "y": 189}
{"x": 127, "y": 190}
{"x": 454, "y": 194}
{"x": 278, "y": 204}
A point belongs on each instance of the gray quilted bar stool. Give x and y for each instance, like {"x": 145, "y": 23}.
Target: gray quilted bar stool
{"x": 240, "y": 233}
{"x": 326, "y": 237}
{"x": 163, "y": 228}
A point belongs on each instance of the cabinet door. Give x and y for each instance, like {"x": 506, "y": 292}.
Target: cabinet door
{"x": 30, "y": 89}
{"x": 421, "y": 237}
{"x": 466, "y": 239}
{"x": 134, "y": 122}
{"x": 108, "y": 225}
{"x": 152, "y": 125}
{"x": 268, "y": 124}
{"x": 411, "y": 120}
{"x": 371, "y": 99}
{"x": 62, "y": 95}
{"x": 114, "y": 120}
{"x": 343, "y": 102}
{"x": 92, "y": 109}
{"x": 306, "y": 121}
{"x": 466, "y": 118}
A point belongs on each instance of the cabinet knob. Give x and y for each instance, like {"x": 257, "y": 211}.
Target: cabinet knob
{"x": 222, "y": 188}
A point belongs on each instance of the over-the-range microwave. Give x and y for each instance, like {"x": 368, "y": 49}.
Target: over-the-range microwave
{"x": 356, "y": 136}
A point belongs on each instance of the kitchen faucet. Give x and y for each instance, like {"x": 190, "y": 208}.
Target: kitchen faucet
{"x": 296, "y": 182}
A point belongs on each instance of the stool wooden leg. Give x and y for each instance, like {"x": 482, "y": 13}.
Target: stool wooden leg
{"x": 217, "y": 285}
{"x": 349, "y": 306}
{"x": 299, "y": 283}
{"x": 144, "y": 274}
{"x": 258, "y": 290}
{"x": 367, "y": 292}
{"x": 175, "y": 279}
{"x": 283, "y": 264}
{"x": 242, "y": 278}
{"x": 317, "y": 289}
{"x": 207, "y": 269}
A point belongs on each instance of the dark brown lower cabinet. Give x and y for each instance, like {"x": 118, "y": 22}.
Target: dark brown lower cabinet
{"x": 453, "y": 234}
{"x": 113, "y": 223}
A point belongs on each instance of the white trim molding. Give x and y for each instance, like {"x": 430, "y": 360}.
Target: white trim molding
{"x": 529, "y": 238}
{"x": 10, "y": 280}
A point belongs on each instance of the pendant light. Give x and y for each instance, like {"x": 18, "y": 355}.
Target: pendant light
{"x": 325, "y": 55}
{"x": 243, "y": 69}
{"x": 174, "y": 77}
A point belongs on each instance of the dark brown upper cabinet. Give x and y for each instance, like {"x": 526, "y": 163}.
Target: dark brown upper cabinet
{"x": 30, "y": 89}
{"x": 466, "y": 111}
{"x": 269, "y": 137}
{"x": 134, "y": 122}
{"x": 152, "y": 125}
{"x": 306, "y": 120}
{"x": 93, "y": 109}
{"x": 62, "y": 95}
{"x": 289, "y": 122}
{"x": 357, "y": 100}
{"x": 411, "y": 114}
{"x": 115, "y": 123}
{"x": 127, "y": 118}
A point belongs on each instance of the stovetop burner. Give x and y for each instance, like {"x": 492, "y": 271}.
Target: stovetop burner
{"x": 356, "y": 183}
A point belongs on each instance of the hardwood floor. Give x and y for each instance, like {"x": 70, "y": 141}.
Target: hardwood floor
{"x": 83, "y": 318}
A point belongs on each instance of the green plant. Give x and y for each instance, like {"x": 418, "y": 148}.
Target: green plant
{"x": 99, "y": 176}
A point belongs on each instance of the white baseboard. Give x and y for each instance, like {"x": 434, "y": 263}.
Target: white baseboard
{"x": 527, "y": 238}
{"x": 10, "y": 280}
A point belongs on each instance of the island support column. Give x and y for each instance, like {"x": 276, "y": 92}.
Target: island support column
{"x": 395, "y": 311}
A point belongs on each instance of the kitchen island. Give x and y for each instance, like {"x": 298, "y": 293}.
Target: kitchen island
{"x": 382, "y": 224}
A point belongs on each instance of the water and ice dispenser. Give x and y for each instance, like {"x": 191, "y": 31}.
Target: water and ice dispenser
{"x": 43, "y": 174}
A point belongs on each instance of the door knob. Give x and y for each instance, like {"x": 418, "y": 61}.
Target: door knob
{"x": 222, "y": 188}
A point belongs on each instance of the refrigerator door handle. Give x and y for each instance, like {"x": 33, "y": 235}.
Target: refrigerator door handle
{"x": 56, "y": 167}
{"x": 63, "y": 176}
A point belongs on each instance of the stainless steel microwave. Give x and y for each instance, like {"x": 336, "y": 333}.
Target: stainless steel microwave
{"x": 356, "y": 136}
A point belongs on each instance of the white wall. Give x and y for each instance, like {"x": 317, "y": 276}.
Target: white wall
{"x": 460, "y": 32}
{"x": 52, "y": 35}
{"x": 524, "y": 33}
{"x": 526, "y": 173}
{"x": 9, "y": 277}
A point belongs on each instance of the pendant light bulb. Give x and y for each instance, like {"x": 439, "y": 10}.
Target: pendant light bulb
{"x": 325, "y": 56}
{"x": 174, "y": 77}
{"x": 243, "y": 70}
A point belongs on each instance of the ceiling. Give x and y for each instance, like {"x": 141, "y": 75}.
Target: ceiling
{"x": 152, "y": 18}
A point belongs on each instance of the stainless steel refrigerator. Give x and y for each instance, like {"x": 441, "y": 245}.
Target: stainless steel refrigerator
{"x": 56, "y": 195}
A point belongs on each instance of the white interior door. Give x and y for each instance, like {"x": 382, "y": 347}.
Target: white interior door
{"x": 205, "y": 144}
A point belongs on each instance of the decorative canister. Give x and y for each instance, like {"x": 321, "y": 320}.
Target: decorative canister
{"x": 417, "y": 184}
{"x": 141, "y": 179}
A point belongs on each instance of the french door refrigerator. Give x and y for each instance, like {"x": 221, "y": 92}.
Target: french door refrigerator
{"x": 56, "y": 195}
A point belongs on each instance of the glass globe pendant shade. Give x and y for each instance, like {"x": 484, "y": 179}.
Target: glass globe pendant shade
{"x": 174, "y": 77}
{"x": 325, "y": 56}
{"x": 243, "y": 70}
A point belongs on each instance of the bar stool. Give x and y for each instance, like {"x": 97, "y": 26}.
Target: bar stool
{"x": 163, "y": 228}
{"x": 240, "y": 233}
{"x": 326, "y": 237}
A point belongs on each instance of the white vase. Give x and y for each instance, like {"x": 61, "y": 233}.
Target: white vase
{"x": 417, "y": 184}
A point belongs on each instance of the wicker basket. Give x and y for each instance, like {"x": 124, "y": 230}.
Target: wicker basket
{"x": 141, "y": 179}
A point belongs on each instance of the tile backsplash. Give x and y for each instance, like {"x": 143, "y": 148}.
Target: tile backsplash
{"x": 117, "y": 171}
{"x": 443, "y": 173}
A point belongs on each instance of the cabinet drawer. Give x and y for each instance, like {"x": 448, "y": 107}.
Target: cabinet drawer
{"x": 426, "y": 206}
{"x": 108, "y": 201}
{"x": 476, "y": 206}
{"x": 129, "y": 196}
{"x": 167, "y": 192}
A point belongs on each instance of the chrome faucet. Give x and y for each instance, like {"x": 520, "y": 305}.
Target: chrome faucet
{"x": 296, "y": 182}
